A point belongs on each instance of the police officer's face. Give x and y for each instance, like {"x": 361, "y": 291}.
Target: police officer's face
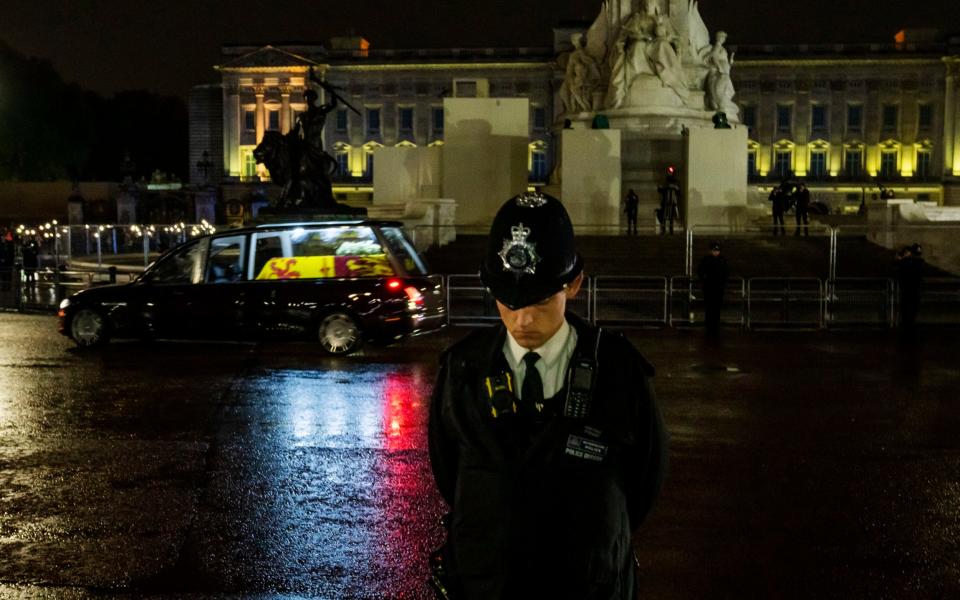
{"x": 533, "y": 325}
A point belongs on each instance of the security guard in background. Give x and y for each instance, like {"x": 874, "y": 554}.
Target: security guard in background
{"x": 545, "y": 437}
{"x": 712, "y": 272}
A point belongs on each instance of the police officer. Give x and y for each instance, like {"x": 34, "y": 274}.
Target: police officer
{"x": 669, "y": 201}
{"x": 910, "y": 266}
{"x": 802, "y": 208}
{"x": 780, "y": 199}
{"x": 545, "y": 438}
{"x": 712, "y": 272}
{"x": 631, "y": 203}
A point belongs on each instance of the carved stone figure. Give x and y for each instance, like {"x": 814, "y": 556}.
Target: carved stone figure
{"x": 665, "y": 61}
{"x": 645, "y": 46}
{"x": 630, "y": 53}
{"x": 581, "y": 79}
{"x": 719, "y": 86}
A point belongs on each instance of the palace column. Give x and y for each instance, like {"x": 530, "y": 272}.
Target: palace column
{"x": 261, "y": 115}
{"x": 231, "y": 130}
{"x": 285, "y": 120}
{"x": 950, "y": 117}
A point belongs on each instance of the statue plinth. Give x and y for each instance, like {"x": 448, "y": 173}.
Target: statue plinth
{"x": 652, "y": 120}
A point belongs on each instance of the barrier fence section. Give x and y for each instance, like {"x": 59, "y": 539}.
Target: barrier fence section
{"x": 630, "y": 300}
{"x": 860, "y": 302}
{"x": 785, "y": 303}
{"x": 939, "y": 301}
{"x": 136, "y": 245}
{"x": 45, "y": 288}
{"x": 686, "y": 301}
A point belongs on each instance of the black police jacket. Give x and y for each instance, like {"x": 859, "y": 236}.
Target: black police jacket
{"x": 712, "y": 272}
{"x": 532, "y": 516}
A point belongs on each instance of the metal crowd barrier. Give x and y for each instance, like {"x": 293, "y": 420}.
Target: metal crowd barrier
{"x": 686, "y": 301}
{"x": 758, "y": 303}
{"x": 939, "y": 301}
{"x": 44, "y": 288}
{"x": 778, "y": 303}
{"x": 785, "y": 303}
{"x": 629, "y": 300}
{"x": 860, "y": 302}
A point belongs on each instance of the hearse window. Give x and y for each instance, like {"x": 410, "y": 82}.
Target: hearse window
{"x": 226, "y": 259}
{"x": 269, "y": 247}
{"x": 318, "y": 253}
{"x": 182, "y": 265}
{"x": 403, "y": 250}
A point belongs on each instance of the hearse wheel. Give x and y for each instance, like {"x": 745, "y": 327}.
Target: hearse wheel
{"x": 88, "y": 328}
{"x": 339, "y": 334}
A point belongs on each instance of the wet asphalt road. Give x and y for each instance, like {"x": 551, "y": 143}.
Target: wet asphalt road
{"x": 804, "y": 465}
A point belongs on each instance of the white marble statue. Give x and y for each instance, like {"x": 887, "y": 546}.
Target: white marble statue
{"x": 581, "y": 78}
{"x": 665, "y": 60}
{"x": 645, "y": 46}
{"x": 719, "y": 86}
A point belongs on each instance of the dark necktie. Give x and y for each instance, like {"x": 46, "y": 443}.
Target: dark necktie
{"x": 532, "y": 390}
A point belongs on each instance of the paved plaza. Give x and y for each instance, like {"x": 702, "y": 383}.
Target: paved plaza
{"x": 803, "y": 465}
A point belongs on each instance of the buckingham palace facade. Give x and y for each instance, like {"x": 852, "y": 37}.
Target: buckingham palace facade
{"x": 847, "y": 119}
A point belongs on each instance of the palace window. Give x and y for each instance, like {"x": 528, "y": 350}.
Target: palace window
{"x": 273, "y": 120}
{"x": 437, "y": 119}
{"x": 818, "y": 163}
{"x": 539, "y": 118}
{"x": 249, "y": 164}
{"x": 923, "y": 163}
{"x": 854, "y": 117}
{"x": 925, "y": 116}
{"x": 373, "y": 121}
{"x": 538, "y": 165}
{"x": 250, "y": 120}
{"x": 465, "y": 89}
{"x": 752, "y": 162}
{"x": 368, "y": 172}
{"x": 784, "y": 117}
{"x": 853, "y": 161}
{"x": 888, "y": 163}
{"x": 406, "y": 119}
{"x": 343, "y": 162}
{"x": 783, "y": 162}
{"x": 890, "y": 115}
{"x": 750, "y": 116}
{"x": 818, "y": 117}
{"x": 341, "y": 120}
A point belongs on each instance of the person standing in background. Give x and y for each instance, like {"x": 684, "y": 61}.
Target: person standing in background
{"x": 712, "y": 272}
{"x": 631, "y": 205}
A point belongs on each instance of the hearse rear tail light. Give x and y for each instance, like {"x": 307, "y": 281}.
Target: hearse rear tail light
{"x": 414, "y": 297}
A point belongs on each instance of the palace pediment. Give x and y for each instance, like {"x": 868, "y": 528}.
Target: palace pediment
{"x": 267, "y": 57}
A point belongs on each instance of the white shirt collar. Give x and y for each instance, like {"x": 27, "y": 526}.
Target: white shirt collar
{"x": 550, "y": 352}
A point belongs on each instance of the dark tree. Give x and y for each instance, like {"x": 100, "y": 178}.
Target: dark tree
{"x": 52, "y": 130}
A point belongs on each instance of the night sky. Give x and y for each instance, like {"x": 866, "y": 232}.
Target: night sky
{"x": 169, "y": 45}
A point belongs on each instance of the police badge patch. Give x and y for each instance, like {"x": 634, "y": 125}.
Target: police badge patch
{"x": 518, "y": 255}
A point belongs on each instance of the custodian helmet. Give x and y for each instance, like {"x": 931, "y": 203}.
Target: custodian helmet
{"x": 530, "y": 251}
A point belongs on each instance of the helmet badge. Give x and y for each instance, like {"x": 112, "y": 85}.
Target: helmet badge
{"x": 518, "y": 255}
{"x": 531, "y": 200}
